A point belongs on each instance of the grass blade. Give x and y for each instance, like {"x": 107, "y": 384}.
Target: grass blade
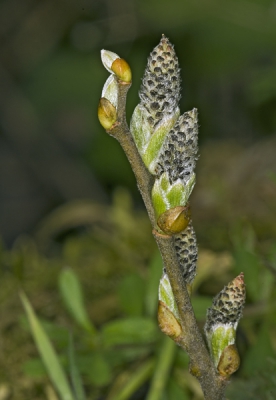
{"x": 47, "y": 353}
{"x": 136, "y": 379}
{"x": 74, "y": 372}
{"x": 162, "y": 370}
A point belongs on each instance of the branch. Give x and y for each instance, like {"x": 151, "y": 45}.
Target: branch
{"x": 191, "y": 340}
{"x": 120, "y": 131}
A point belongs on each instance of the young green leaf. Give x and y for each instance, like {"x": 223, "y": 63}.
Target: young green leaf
{"x": 74, "y": 372}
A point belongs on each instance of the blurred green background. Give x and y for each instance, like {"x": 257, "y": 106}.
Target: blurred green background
{"x": 67, "y": 193}
{"x": 52, "y": 146}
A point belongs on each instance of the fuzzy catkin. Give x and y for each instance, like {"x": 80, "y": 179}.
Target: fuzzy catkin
{"x": 186, "y": 251}
{"x": 179, "y": 152}
{"x": 160, "y": 89}
{"x": 227, "y": 305}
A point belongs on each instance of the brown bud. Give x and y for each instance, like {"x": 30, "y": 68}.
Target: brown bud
{"x": 106, "y": 113}
{"x": 229, "y": 361}
{"x": 175, "y": 220}
{"x": 195, "y": 371}
{"x": 167, "y": 321}
{"x": 122, "y": 70}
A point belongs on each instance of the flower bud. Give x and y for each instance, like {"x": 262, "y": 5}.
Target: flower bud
{"x": 167, "y": 322}
{"x": 174, "y": 220}
{"x": 160, "y": 89}
{"x": 174, "y": 165}
{"x": 106, "y": 113}
{"x": 186, "y": 250}
{"x": 229, "y": 361}
{"x": 178, "y": 154}
{"x": 122, "y": 70}
{"x": 158, "y": 110}
{"x": 223, "y": 317}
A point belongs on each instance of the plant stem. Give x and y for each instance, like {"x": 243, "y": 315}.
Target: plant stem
{"x": 162, "y": 369}
{"x": 201, "y": 365}
{"x": 191, "y": 340}
{"x": 120, "y": 131}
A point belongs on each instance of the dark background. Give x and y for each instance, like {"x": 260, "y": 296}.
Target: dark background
{"x": 52, "y": 147}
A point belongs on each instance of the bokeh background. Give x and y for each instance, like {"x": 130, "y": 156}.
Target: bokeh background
{"x": 54, "y": 153}
{"x": 52, "y": 146}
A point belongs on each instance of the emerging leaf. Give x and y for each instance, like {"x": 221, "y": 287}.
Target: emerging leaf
{"x": 110, "y": 90}
{"x": 108, "y": 57}
{"x": 166, "y": 295}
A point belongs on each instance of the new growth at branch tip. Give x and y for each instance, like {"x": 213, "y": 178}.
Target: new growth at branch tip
{"x": 165, "y": 140}
{"x": 165, "y": 144}
{"x": 120, "y": 75}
